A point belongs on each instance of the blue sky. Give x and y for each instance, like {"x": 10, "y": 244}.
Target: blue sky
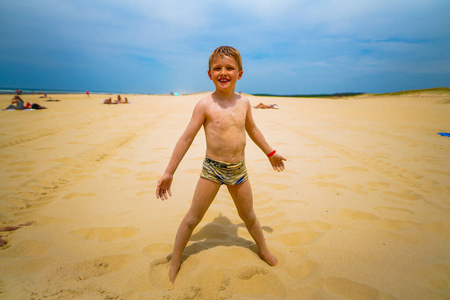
{"x": 288, "y": 46}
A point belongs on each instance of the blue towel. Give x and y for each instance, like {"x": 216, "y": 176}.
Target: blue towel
{"x": 444, "y": 134}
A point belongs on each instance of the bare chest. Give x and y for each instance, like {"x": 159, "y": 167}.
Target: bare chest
{"x": 229, "y": 118}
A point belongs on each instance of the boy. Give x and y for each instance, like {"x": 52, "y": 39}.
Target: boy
{"x": 225, "y": 117}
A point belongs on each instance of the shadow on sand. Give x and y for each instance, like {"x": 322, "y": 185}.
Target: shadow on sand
{"x": 220, "y": 232}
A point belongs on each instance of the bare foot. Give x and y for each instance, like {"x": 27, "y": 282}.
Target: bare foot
{"x": 173, "y": 271}
{"x": 269, "y": 258}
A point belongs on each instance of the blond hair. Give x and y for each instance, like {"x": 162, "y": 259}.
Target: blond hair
{"x": 226, "y": 51}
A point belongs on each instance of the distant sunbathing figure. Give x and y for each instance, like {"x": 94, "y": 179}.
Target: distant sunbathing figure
{"x": 262, "y": 105}
{"x": 125, "y": 100}
{"x": 107, "y": 101}
{"x": 37, "y": 106}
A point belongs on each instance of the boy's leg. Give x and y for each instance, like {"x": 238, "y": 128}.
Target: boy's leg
{"x": 204, "y": 194}
{"x": 243, "y": 199}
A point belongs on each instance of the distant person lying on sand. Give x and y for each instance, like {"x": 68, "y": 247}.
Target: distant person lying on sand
{"x": 262, "y": 105}
{"x": 119, "y": 100}
{"x": 37, "y": 106}
{"x": 34, "y": 106}
{"x": 16, "y": 103}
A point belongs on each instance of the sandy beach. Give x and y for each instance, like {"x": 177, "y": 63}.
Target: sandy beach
{"x": 362, "y": 210}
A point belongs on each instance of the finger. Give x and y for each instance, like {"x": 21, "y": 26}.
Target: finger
{"x": 170, "y": 192}
{"x": 158, "y": 189}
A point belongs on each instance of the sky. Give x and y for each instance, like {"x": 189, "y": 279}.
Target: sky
{"x": 287, "y": 46}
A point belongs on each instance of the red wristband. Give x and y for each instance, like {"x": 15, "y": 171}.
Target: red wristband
{"x": 271, "y": 153}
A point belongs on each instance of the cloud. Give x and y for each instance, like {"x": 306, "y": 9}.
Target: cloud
{"x": 168, "y": 42}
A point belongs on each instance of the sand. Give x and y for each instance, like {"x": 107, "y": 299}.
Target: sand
{"x": 361, "y": 211}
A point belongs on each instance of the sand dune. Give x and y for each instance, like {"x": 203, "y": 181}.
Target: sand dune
{"x": 361, "y": 212}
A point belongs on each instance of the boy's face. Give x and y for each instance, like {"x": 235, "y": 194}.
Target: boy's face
{"x": 224, "y": 73}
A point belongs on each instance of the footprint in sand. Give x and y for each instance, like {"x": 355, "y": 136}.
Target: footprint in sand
{"x": 151, "y": 249}
{"x": 312, "y": 160}
{"x": 393, "y": 209}
{"x": 76, "y": 195}
{"x": 121, "y": 171}
{"x": 159, "y": 273}
{"x": 301, "y": 269}
{"x": 292, "y": 202}
{"x": 348, "y": 289}
{"x": 21, "y": 163}
{"x": 432, "y": 171}
{"x": 147, "y": 162}
{"x": 405, "y": 196}
{"x": 324, "y": 176}
{"x": 95, "y": 267}
{"x": 252, "y": 280}
{"x": 376, "y": 186}
{"x": 144, "y": 193}
{"x": 357, "y": 215}
{"x": 334, "y": 187}
{"x": 432, "y": 159}
{"x": 32, "y": 248}
{"x": 355, "y": 169}
{"x": 313, "y": 225}
{"x": 147, "y": 176}
{"x": 437, "y": 277}
{"x": 192, "y": 171}
{"x": 106, "y": 234}
{"x": 26, "y": 169}
{"x": 278, "y": 186}
{"x": 297, "y": 238}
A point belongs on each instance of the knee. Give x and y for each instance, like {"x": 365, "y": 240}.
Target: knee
{"x": 248, "y": 217}
{"x": 191, "y": 221}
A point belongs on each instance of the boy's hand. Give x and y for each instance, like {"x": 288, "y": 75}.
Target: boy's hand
{"x": 163, "y": 187}
{"x": 277, "y": 162}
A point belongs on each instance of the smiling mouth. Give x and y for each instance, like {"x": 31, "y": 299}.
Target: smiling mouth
{"x": 224, "y": 80}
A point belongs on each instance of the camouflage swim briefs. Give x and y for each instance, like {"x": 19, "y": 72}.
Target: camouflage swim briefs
{"x": 224, "y": 173}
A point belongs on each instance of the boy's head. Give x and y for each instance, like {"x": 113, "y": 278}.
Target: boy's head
{"x": 226, "y": 51}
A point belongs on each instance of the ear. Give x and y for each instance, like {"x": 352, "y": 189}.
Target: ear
{"x": 209, "y": 75}
{"x": 240, "y": 74}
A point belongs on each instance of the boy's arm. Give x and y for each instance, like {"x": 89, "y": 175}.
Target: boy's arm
{"x": 257, "y": 137}
{"x": 181, "y": 147}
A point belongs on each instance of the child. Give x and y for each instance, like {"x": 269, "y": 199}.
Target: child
{"x": 225, "y": 117}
